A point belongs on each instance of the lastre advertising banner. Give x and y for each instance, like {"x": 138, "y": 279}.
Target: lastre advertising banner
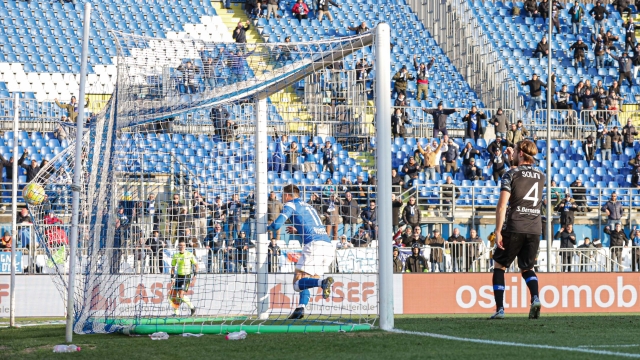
{"x": 559, "y": 293}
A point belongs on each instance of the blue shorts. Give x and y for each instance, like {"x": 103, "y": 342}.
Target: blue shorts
{"x": 182, "y": 282}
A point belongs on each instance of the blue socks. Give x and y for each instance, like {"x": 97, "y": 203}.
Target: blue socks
{"x": 307, "y": 283}
{"x": 305, "y": 295}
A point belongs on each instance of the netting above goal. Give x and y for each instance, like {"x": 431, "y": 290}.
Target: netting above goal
{"x": 149, "y": 183}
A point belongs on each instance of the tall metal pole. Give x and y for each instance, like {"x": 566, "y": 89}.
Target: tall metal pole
{"x": 14, "y": 217}
{"x": 262, "y": 241}
{"x": 549, "y": 97}
{"x": 77, "y": 174}
{"x": 383, "y": 172}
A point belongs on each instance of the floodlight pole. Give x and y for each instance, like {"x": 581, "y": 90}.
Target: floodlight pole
{"x": 14, "y": 215}
{"x": 260, "y": 197}
{"x": 550, "y": 92}
{"x": 77, "y": 174}
{"x": 383, "y": 166}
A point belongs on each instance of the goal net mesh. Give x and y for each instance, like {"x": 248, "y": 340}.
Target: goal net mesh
{"x": 173, "y": 157}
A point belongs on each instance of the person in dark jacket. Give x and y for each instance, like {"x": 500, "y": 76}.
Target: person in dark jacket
{"x": 599, "y": 50}
{"x": 531, "y": 7}
{"x": 556, "y": 6}
{"x": 586, "y": 254}
{"x": 614, "y": 210}
{"x": 398, "y": 120}
{"x": 216, "y": 239}
{"x": 535, "y": 92}
{"x": 579, "y": 195}
{"x": 370, "y": 219}
{"x": 623, "y": 6}
{"x": 474, "y": 123}
{"x": 397, "y": 182}
{"x": 498, "y": 143}
{"x": 625, "y": 66}
{"x": 411, "y": 170}
{"x": 350, "y": 214}
{"x": 274, "y": 256}
{"x": 499, "y": 162}
{"x": 436, "y": 243}
{"x": 473, "y": 172}
{"x": 599, "y": 14}
{"x": 543, "y": 9}
{"x": 440, "y": 116}
{"x": 567, "y": 240}
{"x": 323, "y": 9}
{"x": 629, "y": 34}
{"x": 451, "y": 156}
{"x": 567, "y": 208}
{"x": 589, "y": 148}
{"x": 360, "y": 29}
{"x": 628, "y": 133}
{"x": 499, "y": 120}
{"x": 542, "y": 49}
{"x": 575, "y": 15}
{"x": 361, "y": 239}
{"x": 396, "y": 205}
{"x": 468, "y": 153}
{"x": 411, "y": 213}
{"x": 397, "y": 263}
{"x": 31, "y": 169}
{"x": 456, "y": 244}
{"x": 579, "y": 49}
{"x": 617, "y": 239}
{"x": 401, "y": 79}
{"x": 416, "y": 263}
{"x": 240, "y": 32}
{"x": 422, "y": 74}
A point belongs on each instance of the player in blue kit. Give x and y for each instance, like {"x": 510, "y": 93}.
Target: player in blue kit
{"x": 317, "y": 251}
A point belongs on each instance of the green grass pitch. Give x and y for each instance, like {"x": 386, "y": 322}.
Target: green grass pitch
{"x": 613, "y": 333}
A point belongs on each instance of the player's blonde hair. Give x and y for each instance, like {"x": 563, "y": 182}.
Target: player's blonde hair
{"x": 529, "y": 150}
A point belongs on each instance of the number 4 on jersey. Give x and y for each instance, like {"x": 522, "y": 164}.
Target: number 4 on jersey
{"x": 534, "y": 198}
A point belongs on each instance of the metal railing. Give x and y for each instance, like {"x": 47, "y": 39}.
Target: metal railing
{"x": 459, "y": 33}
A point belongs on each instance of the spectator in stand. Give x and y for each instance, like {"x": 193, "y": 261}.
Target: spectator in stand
{"x": 589, "y": 148}
{"x": 416, "y": 263}
{"x": 32, "y": 169}
{"x": 474, "y": 123}
{"x": 200, "y": 207}
{"x": 272, "y": 8}
{"x": 329, "y": 188}
{"x": 555, "y": 13}
{"x": 563, "y": 99}
{"x": 240, "y": 32}
{"x": 635, "y": 170}
{"x": 316, "y": 203}
{"x": 531, "y": 7}
{"x": 234, "y": 216}
{"x": 456, "y": 245}
{"x": 535, "y": 92}
{"x": 440, "y": 116}
{"x": 598, "y": 86}
{"x": 605, "y": 145}
{"x": 473, "y": 249}
{"x": 344, "y": 243}
{"x": 628, "y": 133}
{"x": 599, "y": 50}
{"x": 23, "y": 219}
{"x": 406, "y": 236}
{"x": 215, "y": 240}
{"x": 292, "y": 159}
{"x": 579, "y": 194}
{"x": 614, "y": 92}
{"x": 396, "y": 181}
{"x": 173, "y": 212}
{"x": 609, "y": 39}
{"x": 396, "y": 205}
{"x": 473, "y": 172}
{"x": 362, "y": 238}
{"x": 401, "y": 79}
{"x": 601, "y": 127}
{"x": 422, "y": 73}
{"x": 359, "y": 189}
{"x": 185, "y": 224}
{"x": 500, "y": 162}
{"x": 468, "y": 153}
{"x": 370, "y": 219}
{"x": 363, "y": 69}
{"x": 567, "y": 209}
{"x": 254, "y": 9}
{"x": 499, "y": 120}
{"x": 416, "y": 236}
{"x": 219, "y": 116}
{"x": 309, "y": 153}
{"x": 629, "y": 33}
{"x": 400, "y": 101}
{"x": 436, "y": 243}
{"x": 443, "y": 149}
{"x": 286, "y": 50}
{"x": 601, "y": 98}
{"x": 328, "y": 157}
{"x": 622, "y": 6}
{"x": 614, "y": 210}
{"x": 350, "y": 211}
{"x": 156, "y": 244}
{"x": 625, "y": 65}
{"x": 398, "y": 120}
{"x": 586, "y": 254}
{"x": 514, "y": 135}
{"x": 636, "y": 60}
{"x": 635, "y": 250}
{"x": 617, "y": 239}
{"x": 397, "y": 263}
{"x": 450, "y": 157}
{"x": 578, "y": 91}
{"x": 616, "y": 140}
{"x": 567, "y": 240}
{"x": 579, "y": 48}
{"x": 331, "y": 212}
{"x": 588, "y": 101}
{"x": 323, "y": 7}
{"x": 72, "y": 108}
{"x": 411, "y": 170}
{"x": 274, "y": 208}
{"x": 575, "y": 14}
{"x": 362, "y": 28}
{"x": 411, "y": 213}
{"x": 189, "y": 83}
{"x": 543, "y": 9}
{"x": 430, "y": 160}
{"x": 542, "y": 49}
{"x": 274, "y": 256}
{"x": 6, "y": 242}
{"x": 599, "y": 14}
{"x": 61, "y": 133}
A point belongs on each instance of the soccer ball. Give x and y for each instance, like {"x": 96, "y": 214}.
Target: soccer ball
{"x": 33, "y": 194}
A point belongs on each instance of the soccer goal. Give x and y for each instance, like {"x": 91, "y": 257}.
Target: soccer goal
{"x": 195, "y": 146}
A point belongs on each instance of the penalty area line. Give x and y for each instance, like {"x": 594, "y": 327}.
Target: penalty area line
{"x": 608, "y": 346}
{"x": 507, "y": 343}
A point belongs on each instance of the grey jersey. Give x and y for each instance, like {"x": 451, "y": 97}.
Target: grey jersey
{"x": 526, "y": 184}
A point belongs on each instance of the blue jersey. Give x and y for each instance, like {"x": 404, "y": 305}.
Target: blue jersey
{"x": 305, "y": 219}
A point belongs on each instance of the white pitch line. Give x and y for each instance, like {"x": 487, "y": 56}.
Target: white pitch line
{"x": 607, "y": 346}
{"x": 506, "y": 343}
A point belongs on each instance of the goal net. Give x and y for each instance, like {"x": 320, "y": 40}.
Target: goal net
{"x": 195, "y": 146}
